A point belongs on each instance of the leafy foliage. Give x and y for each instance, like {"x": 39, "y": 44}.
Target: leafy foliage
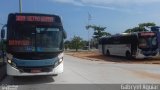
{"x": 98, "y": 31}
{"x": 142, "y": 25}
{"x": 67, "y": 44}
{"x": 76, "y": 43}
{"x": 140, "y": 28}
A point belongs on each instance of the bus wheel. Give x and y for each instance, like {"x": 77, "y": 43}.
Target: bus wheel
{"x": 107, "y": 53}
{"x": 128, "y": 55}
{"x": 55, "y": 75}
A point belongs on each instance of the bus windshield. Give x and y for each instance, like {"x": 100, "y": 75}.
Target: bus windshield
{"x": 48, "y": 38}
{"x": 147, "y": 42}
{"x": 30, "y": 38}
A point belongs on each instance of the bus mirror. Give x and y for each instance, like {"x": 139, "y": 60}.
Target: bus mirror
{"x": 2, "y": 33}
{"x": 64, "y": 34}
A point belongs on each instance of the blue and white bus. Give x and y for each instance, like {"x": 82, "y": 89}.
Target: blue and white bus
{"x": 138, "y": 45}
{"x": 35, "y": 44}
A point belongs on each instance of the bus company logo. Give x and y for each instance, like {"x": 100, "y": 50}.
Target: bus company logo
{"x": 9, "y": 87}
{"x": 35, "y": 18}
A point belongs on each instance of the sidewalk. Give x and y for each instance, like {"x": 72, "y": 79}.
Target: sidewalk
{"x": 2, "y": 71}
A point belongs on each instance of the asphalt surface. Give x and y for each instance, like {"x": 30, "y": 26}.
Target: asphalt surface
{"x": 81, "y": 71}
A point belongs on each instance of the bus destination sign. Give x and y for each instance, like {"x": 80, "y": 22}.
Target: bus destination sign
{"x": 22, "y": 18}
{"x": 147, "y": 34}
{"x": 19, "y": 42}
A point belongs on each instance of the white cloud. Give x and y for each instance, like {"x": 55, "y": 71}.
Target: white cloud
{"x": 102, "y": 2}
{"x": 74, "y": 2}
{"x": 119, "y": 5}
{"x": 119, "y": 2}
{"x": 111, "y": 8}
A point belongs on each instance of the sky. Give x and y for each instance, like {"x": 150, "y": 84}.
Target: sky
{"x": 116, "y": 15}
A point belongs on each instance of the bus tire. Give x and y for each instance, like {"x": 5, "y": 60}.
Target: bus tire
{"x": 107, "y": 53}
{"x": 128, "y": 55}
{"x": 55, "y": 75}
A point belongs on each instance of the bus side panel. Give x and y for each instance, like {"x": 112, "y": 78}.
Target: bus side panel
{"x": 100, "y": 48}
{"x": 119, "y": 49}
{"x": 111, "y": 49}
{"x": 122, "y": 49}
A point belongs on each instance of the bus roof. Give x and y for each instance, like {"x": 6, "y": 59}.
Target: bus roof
{"x": 126, "y": 34}
{"x": 35, "y": 18}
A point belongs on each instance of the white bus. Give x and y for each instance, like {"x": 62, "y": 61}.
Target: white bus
{"x": 35, "y": 44}
{"x": 138, "y": 45}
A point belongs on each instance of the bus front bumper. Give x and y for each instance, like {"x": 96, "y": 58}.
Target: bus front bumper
{"x": 11, "y": 71}
{"x": 141, "y": 56}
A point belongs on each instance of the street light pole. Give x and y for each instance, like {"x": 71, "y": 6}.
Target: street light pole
{"x": 20, "y": 6}
{"x": 89, "y": 43}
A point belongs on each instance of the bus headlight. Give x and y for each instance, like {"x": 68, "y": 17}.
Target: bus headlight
{"x": 9, "y": 61}
{"x": 58, "y": 62}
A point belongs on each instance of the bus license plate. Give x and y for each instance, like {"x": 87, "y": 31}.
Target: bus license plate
{"x": 35, "y": 71}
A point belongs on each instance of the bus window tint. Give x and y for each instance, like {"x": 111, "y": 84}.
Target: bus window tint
{"x": 142, "y": 42}
{"x": 154, "y": 41}
{"x": 24, "y": 31}
{"x": 146, "y": 42}
{"x": 49, "y": 38}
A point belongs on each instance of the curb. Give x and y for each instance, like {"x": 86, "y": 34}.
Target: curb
{"x": 2, "y": 72}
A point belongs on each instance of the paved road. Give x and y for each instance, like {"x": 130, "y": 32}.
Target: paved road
{"x": 81, "y": 71}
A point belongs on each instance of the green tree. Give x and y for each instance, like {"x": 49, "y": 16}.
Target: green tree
{"x": 76, "y": 43}
{"x": 99, "y": 31}
{"x": 135, "y": 29}
{"x": 142, "y": 25}
{"x": 67, "y": 44}
{"x": 84, "y": 43}
{"x": 140, "y": 28}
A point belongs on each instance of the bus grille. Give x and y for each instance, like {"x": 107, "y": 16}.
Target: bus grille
{"x": 29, "y": 70}
{"x": 148, "y": 53}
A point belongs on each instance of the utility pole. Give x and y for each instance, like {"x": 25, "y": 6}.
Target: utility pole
{"x": 20, "y": 6}
{"x": 89, "y": 43}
